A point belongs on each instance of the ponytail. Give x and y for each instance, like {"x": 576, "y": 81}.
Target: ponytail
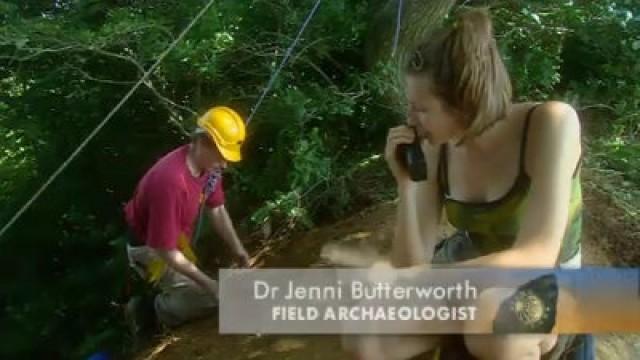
{"x": 466, "y": 69}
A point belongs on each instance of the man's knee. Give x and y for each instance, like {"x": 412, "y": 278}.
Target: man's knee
{"x": 177, "y": 306}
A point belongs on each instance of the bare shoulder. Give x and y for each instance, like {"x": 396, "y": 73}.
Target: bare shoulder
{"x": 554, "y": 132}
{"x": 556, "y": 116}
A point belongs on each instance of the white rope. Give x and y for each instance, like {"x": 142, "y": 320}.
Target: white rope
{"x": 283, "y": 62}
{"x": 262, "y": 96}
{"x": 396, "y": 37}
{"x": 106, "y": 119}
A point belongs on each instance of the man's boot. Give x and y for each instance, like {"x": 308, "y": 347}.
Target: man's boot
{"x": 140, "y": 318}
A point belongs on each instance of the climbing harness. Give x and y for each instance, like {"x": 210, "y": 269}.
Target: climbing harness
{"x": 209, "y": 187}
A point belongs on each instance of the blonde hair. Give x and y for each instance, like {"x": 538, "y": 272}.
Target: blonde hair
{"x": 464, "y": 64}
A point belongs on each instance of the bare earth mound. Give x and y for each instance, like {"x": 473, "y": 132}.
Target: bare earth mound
{"x": 611, "y": 239}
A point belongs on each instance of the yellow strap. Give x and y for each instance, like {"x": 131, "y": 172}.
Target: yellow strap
{"x": 157, "y": 267}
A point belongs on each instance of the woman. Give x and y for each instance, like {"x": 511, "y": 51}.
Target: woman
{"x": 506, "y": 175}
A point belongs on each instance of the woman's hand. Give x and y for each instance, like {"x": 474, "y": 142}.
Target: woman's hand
{"x": 398, "y": 135}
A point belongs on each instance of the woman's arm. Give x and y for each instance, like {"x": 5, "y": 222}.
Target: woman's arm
{"x": 418, "y": 216}
{"x": 552, "y": 155}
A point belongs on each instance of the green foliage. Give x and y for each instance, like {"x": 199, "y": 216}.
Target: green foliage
{"x": 589, "y": 54}
{"x": 313, "y": 151}
{"x": 531, "y": 44}
{"x": 63, "y": 72}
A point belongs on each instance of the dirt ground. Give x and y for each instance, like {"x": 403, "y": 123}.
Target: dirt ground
{"x": 611, "y": 239}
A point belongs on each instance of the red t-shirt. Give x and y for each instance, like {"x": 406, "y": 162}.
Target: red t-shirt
{"x": 166, "y": 201}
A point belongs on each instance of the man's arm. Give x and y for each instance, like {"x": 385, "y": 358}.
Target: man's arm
{"x": 163, "y": 232}
{"x": 224, "y": 227}
{"x": 176, "y": 260}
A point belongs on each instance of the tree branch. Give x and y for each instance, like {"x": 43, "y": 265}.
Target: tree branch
{"x": 103, "y": 81}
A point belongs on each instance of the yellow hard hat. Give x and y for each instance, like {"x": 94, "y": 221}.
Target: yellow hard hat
{"x": 227, "y": 130}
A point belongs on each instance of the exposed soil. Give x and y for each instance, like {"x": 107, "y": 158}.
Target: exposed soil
{"x": 611, "y": 238}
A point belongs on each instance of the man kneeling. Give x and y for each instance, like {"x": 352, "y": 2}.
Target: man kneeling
{"x": 165, "y": 209}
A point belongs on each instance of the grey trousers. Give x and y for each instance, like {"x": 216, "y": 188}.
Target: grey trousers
{"x": 180, "y": 298}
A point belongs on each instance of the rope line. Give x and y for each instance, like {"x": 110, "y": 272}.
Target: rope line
{"x": 105, "y": 120}
{"x": 396, "y": 38}
{"x": 275, "y": 74}
{"x": 97, "y": 129}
